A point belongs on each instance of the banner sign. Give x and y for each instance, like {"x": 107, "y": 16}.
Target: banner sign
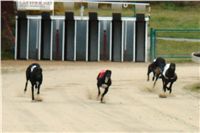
{"x": 35, "y": 4}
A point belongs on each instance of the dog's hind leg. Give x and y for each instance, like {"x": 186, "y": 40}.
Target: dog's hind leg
{"x": 32, "y": 88}
{"x": 25, "y": 86}
{"x": 106, "y": 90}
{"x": 164, "y": 86}
{"x": 154, "y": 75}
{"x": 157, "y": 75}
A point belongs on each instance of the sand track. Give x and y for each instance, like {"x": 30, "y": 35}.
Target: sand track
{"x": 69, "y": 99}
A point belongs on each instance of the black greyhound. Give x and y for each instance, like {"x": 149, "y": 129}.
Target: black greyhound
{"x": 34, "y": 75}
{"x": 169, "y": 76}
{"x": 104, "y": 81}
{"x": 157, "y": 67}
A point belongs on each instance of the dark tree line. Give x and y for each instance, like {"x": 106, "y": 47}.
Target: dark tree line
{"x": 8, "y": 12}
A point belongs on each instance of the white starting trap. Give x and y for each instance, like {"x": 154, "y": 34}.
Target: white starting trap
{"x": 81, "y": 38}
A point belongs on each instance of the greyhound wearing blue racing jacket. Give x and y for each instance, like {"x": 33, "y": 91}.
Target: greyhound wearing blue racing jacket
{"x": 157, "y": 67}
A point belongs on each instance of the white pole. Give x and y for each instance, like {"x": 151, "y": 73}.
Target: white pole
{"x": 63, "y": 41}
{"x": 27, "y": 41}
{"x": 99, "y": 24}
{"x": 87, "y": 28}
{"x": 146, "y": 33}
{"x": 16, "y": 25}
{"x": 37, "y": 34}
{"x": 39, "y": 44}
{"x": 134, "y": 34}
{"x": 82, "y": 11}
{"x": 122, "y": 43}
{"x": 110, "y": 57}
{"x": 51, "y": 39}
{"x": 75, "y": 40}
{"x": 125, "y": 35}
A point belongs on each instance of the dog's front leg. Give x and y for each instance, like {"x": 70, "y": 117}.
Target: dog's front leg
{"x": 170, "y": 87}
{"x": 155, "y": 81}
{"x": 99, "y": 92}
{"x": 164, "y": 86}
{"x": 153, "y": 77}
{"x": 106, "y": 90}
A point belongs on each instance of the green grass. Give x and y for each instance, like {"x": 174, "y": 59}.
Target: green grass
{"x": 170, "y": 48}
{"x": 193, "y": 87}
{"x": 176, "y": 47}
{"x": 179, "y": 60}
{"x": 176, "y": 18}
{"x": 190, "y": 35}
{"x": 185, "y": 17}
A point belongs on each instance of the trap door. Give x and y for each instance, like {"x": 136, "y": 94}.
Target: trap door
{"x": 57, "y": 39}
{"x": 140, "y": 38}
{"x": 93, "y": 37}
{"x": 116, "y": 37}
{"x": 22, "y": 36}
{"x": 69, "y": 36}
{"x": 34, "y": 36}
{"x": 128, "y": 40}
{"x": 81, "y": 39}
{"x": 105, "y": 32}
{"x": 45, "y": 36}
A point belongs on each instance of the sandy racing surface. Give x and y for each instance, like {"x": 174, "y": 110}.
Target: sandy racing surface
{"x": 69, "y": 99}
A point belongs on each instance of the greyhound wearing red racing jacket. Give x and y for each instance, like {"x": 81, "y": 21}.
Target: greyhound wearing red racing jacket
{"x": 104, "y": 81}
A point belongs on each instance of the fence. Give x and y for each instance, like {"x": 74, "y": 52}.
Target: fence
{"x": 174, "y": 43}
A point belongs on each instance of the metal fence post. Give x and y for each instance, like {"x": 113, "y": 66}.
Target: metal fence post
{"x": 153, "y": 43}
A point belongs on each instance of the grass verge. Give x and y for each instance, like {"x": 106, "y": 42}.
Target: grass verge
{"x": 186, "y": 17}
{"x": 193, "y": 87}
{"x": 168, "y": 47}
